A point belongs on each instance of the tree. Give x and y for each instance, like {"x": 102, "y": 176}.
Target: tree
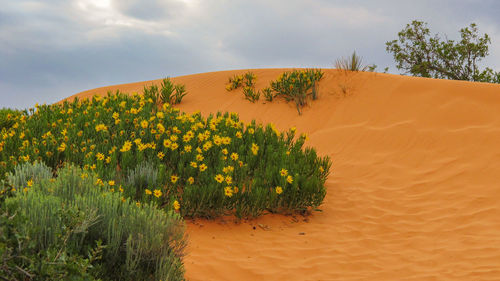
{"x": 419, "y": 54}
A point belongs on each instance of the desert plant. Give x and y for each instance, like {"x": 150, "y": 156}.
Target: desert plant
{"x": 250, "y": 79}
{"x": 24, "y": 174}
{"x": 352, "y": 63}
{"x": 419, "y": 54}
{"x": 112, "y": 135}
{"x": 234, "y": 82}
{"x": 141, "y": 242}
{"x": 268, "y": 94}
{"x": 7, "y": 117}
{"x": 251, "y": 94}
{"x": 297, "y": 85}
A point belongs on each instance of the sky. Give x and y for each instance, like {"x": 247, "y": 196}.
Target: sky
{"x": 52, "y": 49}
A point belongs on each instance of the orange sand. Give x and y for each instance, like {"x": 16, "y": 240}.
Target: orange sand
{"x": 414, "y": 192}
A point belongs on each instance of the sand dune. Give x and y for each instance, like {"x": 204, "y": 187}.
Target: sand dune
{"x": 414, "y": 192}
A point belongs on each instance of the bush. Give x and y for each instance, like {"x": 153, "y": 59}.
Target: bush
{"x": 353, "y": 63}
{"x": 105, "y": 235}
{"x": 297, "y": 85}
{"x": 24, "y": 174}
{"x": 7, "y": 117}
{"x": 168, "y": 92}
{"x": 189, "y": 154}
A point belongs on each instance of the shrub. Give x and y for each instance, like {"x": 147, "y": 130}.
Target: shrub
{"x": 353, "y": 63}
{"x": 7, "y": 117}
{"x": 237, "y": 81}
{"x": 251, "y": 94}
{"x": 167, "y": 93}
{"x": 112, "y": 135}
{"x": 72, "y": 215}
{"x": 268, "y": 94}
{"x": 297, "y": 85}
{"x": 24, "y": 174}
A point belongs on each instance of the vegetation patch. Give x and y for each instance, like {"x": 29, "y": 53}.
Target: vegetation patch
{"x": 201, "y": 167}
{"x": 71, "y": 228}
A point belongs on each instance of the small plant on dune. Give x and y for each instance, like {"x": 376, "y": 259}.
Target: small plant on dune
{"x": 353, "y": 63}
{"x": 115, "y": 135}
{"x": 268, "y": 94}
{"x": 297, "y": 86}
{"x": 234, "y": 82}
{"x": 251, "y": 94}
{"x": 167, "y": 93}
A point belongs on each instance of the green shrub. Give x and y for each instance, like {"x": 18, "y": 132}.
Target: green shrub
{"x": 352, "y": 63}
{"x": 268, "y": 94}
{"x": 73, "y": 214}
{"x": 24, "y": 174}
{"x": 112, "y": 135}
{"x": 7, "y": 117}
{"x": 297, "y": 85}
{"x": 251, "y": 94}
{"x": 167, "y": 93}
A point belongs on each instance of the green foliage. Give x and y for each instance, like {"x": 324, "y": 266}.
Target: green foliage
{"x": 7, "y": 117}
{"x": 297, "y": 86}
{"x": 72, "y": 216}
{"x": 353, "y": 63}
{"x": 167, "y": 93}
{"x": 127, "y": 140}
{"x": 420, "y": 54}
{"x": 24, "y": 174}
{"x": 251, "y": 94}
{"x": 268, "y": 94}
{"x": 248, "y": 79}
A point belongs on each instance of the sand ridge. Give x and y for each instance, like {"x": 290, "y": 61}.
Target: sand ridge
{"x": 413, "y": 193}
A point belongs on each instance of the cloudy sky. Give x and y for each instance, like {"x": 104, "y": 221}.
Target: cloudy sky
{"x": 55, "y": 48}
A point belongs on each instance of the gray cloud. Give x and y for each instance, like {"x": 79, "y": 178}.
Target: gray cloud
{"x": 53, "y": 49}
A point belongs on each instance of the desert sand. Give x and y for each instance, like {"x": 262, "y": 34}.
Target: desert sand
{"x": 413, "y": 194}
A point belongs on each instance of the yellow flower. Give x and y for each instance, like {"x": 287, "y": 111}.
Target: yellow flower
{"x": 108, "y": 159}
{"x": 29, "y": 183}
{"x": 148, "y": 192}
{"x": 177, "y": 206}
{"x": 123, "y": 199}
{"x": 219, "y": 178}
{"x": 284, "y": 172}
{"x": 199, "y": 157}
{"x": 161, "y": 155}
{"x": 224, "y": 151}
{"x": 207, "y": 145}
{"x": 25, "y": 189}
{"x": 239, "y": 135}
{"x": 174, "y": 178}
{"x": 203, "y": 167}
{"x": 229, "y": 180}
{"x": 187, "y": 148}
{"x": 99, "y": 182}
{"x": 251, "y": 131}
{"x": 255, "y": 148}
{"x": 120, "y": 188}
{"x": 228, "y": 191}
{"x": 157, "y": 193}
{"x": 138, "y": 204}
{"x": 62, "y": 147}
{"x": 111, "y": 183}
{"x": 126, "y": 146}
{"x": 93, "y": 167}
{"x": 279, "y": 190}
{"x": 234, "y": 156}
{"x": 167, "y": 143}
{"x": 174, "y": 146}
{"x": 160, "y": 115}
{"x": 193, "y": 164}
{"x": 321, "y": 170}
{"x": 99, "y": 156}
{"x": 116, "y": 115}
{"x": 191, "y": 180}
{"x": 289, "y": 179}
{"x": 101, "y": 127}
{"x": 228, "y": 169}
{"x": 174, "y": 137}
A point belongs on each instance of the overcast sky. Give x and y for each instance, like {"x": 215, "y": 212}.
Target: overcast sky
{"x": 55, "y": 48}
